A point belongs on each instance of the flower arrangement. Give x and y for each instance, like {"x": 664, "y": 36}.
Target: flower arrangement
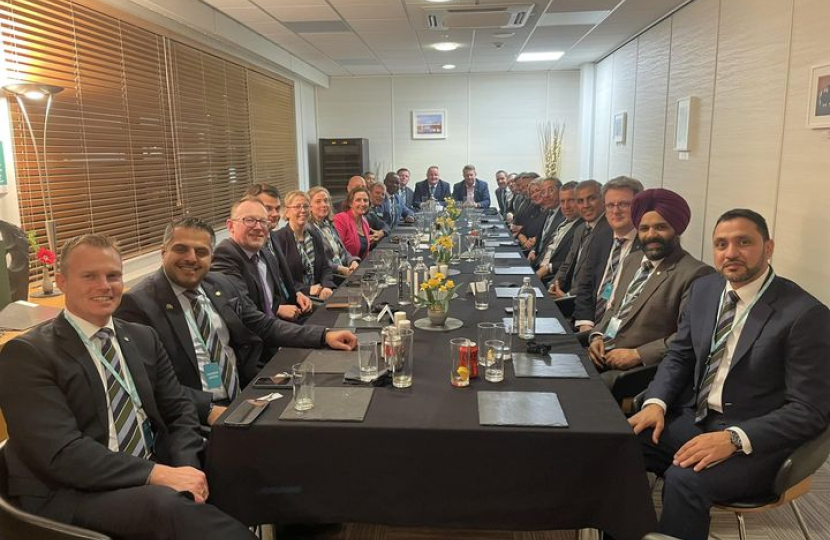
{"x": 436, "y": 293}
{"x": 451, "y": 208}
{"x": 442, "y": 249}
{"x": 445, "y": 224}
{"x": 46, "y": 257}
{"x": 550, "y": 139}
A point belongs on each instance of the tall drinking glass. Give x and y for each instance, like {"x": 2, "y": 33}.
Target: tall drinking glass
{"x": 369, "y": 288}
{"x": 401, "y": 359}
{"x": 460, "y": 362}
{"x": 368, "y": 357}
{"x": 481, "y": 289}
{"x": 303, "y": 381}
{"x": 500, "y": 333}
{"x": 493, "y": 355}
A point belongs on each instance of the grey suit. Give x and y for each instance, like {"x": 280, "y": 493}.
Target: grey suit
{"x": 572, "y": 269}
{"x": 651, "y": 323}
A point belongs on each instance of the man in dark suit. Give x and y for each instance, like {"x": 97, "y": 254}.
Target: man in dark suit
{"x": 471, "y": 191}
{"x": 431, "y": 188}
{"x": 193, "y": 309}
{"x": 595, "y": 289}
{"x": 547, "y": 194}
{"x": 552, "y": 250}
{"x": 501, "y": 192}
{"x": 522, "y": 207}
{"x": 642, "y": 319}
{"x": 101, "y": 435}
{"x": 398, "y": 211}
{"x": 259, "y": 272}
{"x": 407, "y": 195}
{"x": 379, "y": 215}
{"x": 744, "y": 382}
{"x": 594, "y": 225}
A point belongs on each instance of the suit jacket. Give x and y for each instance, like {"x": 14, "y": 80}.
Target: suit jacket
{"x": 585, "y": 303}
{"x": 501, "y": 199}
{"x": 481, "y": 193}
{"x": 779, "y": 380}
{"x": 572, "y": 269}
{"x": 543, "y": 239}
{"x": 230, "y": 259}
{"x": 652, "y": 321}
{"x": 561, "y": 252}
{"x": 322, "y": 267}
{"x": 407, "y": 196}
{"x": 153, "y": 303}
{"x": 532, "y": 219}
{"x": 57, "y": 413}
{"x": 347, "y": 229}
{"x": 346, "y": 257}
{"x": 442, "y": 191}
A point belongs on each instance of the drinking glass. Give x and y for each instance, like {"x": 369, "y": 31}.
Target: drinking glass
{"x": 401, "y": 359}
{"x": 500, "y": 333}
{"x": 369, "y": 288}
{"x": 303, "y": 381}
{"x": 485, "y": 333}
{"x": 462, "y": 360}
{"x": 481, "y": 289}
{"x": 368, "y": 357}
{"x": 355, "y": 302}
{"x": 472, "y": 241}
{"x": 493, "y": 360}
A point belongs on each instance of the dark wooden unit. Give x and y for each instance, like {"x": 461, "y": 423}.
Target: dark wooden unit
{"x": 340, "y": 159}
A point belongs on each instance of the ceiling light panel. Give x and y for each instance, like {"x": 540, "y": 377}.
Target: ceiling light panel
{"x": 303, "y": 13}
{"x": 583, "y": 5}
{"x": 392, "y": 10}
{"x": 547, "y": 56}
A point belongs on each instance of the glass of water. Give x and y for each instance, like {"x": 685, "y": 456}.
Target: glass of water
{"x": 493, "y": 357}
{"x": 355, "y": 302}
{"x": 401, "y": 359}
{"x": 481, "y": 288}
{"x": 303, "y": 381}
{"x": 368, "y": 357}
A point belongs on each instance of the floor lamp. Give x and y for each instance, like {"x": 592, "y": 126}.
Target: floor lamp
{"x": 36, "y": 92}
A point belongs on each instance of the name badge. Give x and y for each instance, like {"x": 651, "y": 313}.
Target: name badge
{"x": 147, "y": 430}
{"x": 213, "y": 378}
{"x": 606, "y": 291}
{"x": 613, "y": 328}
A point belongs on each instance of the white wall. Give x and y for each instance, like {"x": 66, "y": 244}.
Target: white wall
{"x": 746, "y": 65}
{"x": 492, "y": 120}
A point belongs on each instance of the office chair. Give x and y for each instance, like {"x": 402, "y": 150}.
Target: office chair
{"x": 15, "y": 524}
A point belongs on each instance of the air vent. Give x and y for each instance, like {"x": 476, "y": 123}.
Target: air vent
{"x": 477, "y": 17}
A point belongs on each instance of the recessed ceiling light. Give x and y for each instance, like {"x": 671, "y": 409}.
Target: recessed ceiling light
{"x": 504, "y": 35}
{"x": 540, "y": 56}
{"x": 445, "y": 46}
{"x": 448, "y": 66}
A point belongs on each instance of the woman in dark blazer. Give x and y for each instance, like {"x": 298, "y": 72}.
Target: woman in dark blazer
{"x": 351, "y": 224}
{"x": 343, "y": 263}
{"x": 304, "y": 249}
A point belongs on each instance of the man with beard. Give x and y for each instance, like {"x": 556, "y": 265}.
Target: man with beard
{"x": 744, "y": 382}
{"x": 642, "y": 320}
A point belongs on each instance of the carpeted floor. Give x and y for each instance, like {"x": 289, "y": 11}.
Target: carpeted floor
{"x": 777, "y": 524}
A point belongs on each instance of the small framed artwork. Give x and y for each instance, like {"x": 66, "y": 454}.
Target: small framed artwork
{"x": 681, "y": 126}
{"x": 818, "y": 108}
{"x": 620, "y": 121}
{"x": 429, "y": 124}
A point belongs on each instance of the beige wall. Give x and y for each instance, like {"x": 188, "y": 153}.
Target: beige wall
{"x": 746, "y": 65}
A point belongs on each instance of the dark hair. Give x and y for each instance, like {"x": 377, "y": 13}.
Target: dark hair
{"x": 745, "y": 213}
{"x": 187, "y": 223}
{"x": 402, "y": 169}
{"x": 592, "y": 184}
{"x": 268, "y": 189}
{"x": 100, "y": 241}
{"x": 468, "y": 168}
{"x": 568, "y": 186}
{"x": 352, "y": 193}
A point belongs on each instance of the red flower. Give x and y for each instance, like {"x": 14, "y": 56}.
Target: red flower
{"x": 46, "y": 256}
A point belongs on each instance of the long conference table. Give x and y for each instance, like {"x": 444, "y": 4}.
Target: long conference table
{"x": 420, "y": 456}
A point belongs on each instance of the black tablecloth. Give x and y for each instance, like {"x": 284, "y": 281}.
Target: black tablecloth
{"x": 421, "y": 458}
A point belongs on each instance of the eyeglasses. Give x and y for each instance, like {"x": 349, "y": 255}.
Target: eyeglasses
{"x": 253, "y": 222}
{"x": 299, "y": 207}
{"x": 538, "y": 348}
{"x": 624, "y": 205}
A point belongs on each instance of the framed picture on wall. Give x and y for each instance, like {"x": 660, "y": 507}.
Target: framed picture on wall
{"x": 429, "y": 124}
{"x": 620, "y": 120}
{"x": 818, "y": 108}
{"x": 681, "y": 127}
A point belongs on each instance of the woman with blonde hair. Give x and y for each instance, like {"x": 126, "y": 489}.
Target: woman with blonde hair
{"x": 342, "y": 262}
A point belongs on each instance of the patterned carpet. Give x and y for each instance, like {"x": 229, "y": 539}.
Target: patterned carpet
{"x": 777, "y": 524}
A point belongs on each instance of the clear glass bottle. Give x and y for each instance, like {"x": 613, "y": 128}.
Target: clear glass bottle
{"x": 420, "y": 274}
{"x": 404, "y": 282}
{"x": 524, "y": 311}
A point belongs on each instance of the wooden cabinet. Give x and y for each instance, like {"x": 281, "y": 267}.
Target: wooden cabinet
{"x": 340, "y": 159}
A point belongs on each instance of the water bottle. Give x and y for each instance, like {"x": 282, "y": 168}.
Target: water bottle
{"x": 404, "y": 282}
{"x": 524, "y": 311}
{"x": 420, "y": 274}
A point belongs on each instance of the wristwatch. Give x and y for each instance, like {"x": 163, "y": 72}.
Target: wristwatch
{"x": 735, "y": 439}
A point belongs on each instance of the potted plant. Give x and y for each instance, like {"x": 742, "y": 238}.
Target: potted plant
{"x": 435, "y": 295}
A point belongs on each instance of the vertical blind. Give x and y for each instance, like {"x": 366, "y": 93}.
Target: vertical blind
{"x": 146, "y": 129}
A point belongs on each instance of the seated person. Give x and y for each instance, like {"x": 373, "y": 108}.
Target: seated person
{"x": 379, "y": 214}
{"x": 432, "y": 187}
{"x": 394, "y": 202}
{"x": 303, "y": 248}
{"x": 351, "y": 224}
{"x": 743, "y": 383}
{"x": 101, "y": 434}
{"x": 549, "y": 204}
{"x": 548, "y": 257}
{"x": 343, "y": 263}
{"x": 528, "y": 225}
{"x": 642, "y": 319}
{"x": 471, "y": 191}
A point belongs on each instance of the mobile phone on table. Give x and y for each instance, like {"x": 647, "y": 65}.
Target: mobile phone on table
{"x": 280, "y": 380}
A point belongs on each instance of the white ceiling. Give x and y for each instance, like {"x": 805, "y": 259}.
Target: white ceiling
{"x": 390, "y": 37}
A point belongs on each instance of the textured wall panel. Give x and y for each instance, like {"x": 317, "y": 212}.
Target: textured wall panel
{"x": 648, "y": 136}
{"x": 753, "y": 56}
{"x": 802, "y": 219}
{"x": 622, "y": 100}
{"x": 602, "y": 118}
{"x": 563, "y": 105}
{"x": 694, "y": 41}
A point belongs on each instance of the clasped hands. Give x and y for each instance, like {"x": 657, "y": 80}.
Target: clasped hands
{"x": 621, "y": 359}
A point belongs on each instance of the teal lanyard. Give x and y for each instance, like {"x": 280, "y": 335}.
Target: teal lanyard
{"x": 737, "y": 322}
{"x": 194, "y": 330}
{"x": 126, "y": 383}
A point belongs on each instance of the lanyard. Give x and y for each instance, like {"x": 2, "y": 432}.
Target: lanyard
{"x": 737, "y": 322}
{"x": 194, "y": 331}
{"x": 126, "y": 384}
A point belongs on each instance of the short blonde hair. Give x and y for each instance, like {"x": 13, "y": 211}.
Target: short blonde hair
{"x": 100, "y": 241}
{"x": 291, "y": 195}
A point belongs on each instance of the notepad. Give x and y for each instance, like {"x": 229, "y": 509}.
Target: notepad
{"x": 511, "y": 292}
{"x": 514, "y": 270}
{"x": 544, "y": 325}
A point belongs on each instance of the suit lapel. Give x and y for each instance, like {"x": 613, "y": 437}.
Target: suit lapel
{"x": 175, "y": 316}
{"x": 709, "y": 317}
{"x": 74, "y": 349}
{"x": 661, "y": 274}
{"x": 754, "y": 323}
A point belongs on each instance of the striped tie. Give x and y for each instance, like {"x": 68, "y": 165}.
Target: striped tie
{"x": 631, "y": 294}
{"x": 215, "y": 349}
{"x": 727, "y": 316}
{"x": 613, "y": 268}
{"x": 123, "y": 409}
